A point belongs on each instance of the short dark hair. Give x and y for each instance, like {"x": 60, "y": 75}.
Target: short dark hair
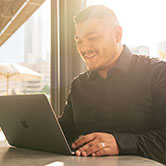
{"x": 97, "y": 11}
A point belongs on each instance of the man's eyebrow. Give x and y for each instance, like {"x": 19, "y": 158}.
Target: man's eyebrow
{"x": 87, "y": 34}
{"x": 90, "y": 33}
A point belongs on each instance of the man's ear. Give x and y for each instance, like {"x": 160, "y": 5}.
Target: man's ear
{"x": 118, "y": 33}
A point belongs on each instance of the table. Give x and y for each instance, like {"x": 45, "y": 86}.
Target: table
{"x": 12, "y": 156}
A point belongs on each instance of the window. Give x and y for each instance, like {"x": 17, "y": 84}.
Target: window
{"x": 29, "y": 47}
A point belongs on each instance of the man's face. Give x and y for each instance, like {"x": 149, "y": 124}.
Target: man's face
{"x": 96, "y": 43}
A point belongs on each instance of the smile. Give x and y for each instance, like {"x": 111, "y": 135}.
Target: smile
{"x": 90, "y": 55}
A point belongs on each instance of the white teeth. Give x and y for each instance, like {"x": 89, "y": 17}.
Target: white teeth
{"x": 90, "y": 55}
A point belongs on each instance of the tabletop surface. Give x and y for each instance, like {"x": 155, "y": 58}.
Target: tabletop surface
{"x": 12, "y": 156}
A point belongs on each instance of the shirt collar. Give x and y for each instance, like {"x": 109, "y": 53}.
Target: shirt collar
{"x": 124, "y": 60}
{"x": 122, "y": 63}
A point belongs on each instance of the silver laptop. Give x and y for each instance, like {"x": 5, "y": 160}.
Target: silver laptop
{"x": 28, "y": 121}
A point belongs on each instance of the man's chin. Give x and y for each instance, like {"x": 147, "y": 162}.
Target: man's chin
{"x": 97, "y": 69}
{"x": 94, "y": 69}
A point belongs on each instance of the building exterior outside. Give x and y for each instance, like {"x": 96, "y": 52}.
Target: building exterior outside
{"x": 161, "y": 49}
{"x": 141, "y": 50}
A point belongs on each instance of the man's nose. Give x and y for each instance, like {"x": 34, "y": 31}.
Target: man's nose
{"x": 85, "y": 47}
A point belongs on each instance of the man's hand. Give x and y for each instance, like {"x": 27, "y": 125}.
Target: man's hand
{"x": 96, "y": 144}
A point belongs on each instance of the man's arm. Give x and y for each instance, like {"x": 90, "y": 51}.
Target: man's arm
{"x": 152, "y": 144}
{"x": 67, "y": 123}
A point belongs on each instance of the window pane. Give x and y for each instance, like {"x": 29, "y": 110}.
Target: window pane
{"x": 29, "y": 46}
{"x": 143, "y": 24}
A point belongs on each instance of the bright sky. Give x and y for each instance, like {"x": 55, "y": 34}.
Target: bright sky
{"x": 143, "y": 21}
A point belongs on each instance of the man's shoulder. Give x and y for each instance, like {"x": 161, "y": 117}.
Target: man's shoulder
{"x": 145, "y": 59}
{"x": 152, "y": 62}
{"x": 81, "y": 77}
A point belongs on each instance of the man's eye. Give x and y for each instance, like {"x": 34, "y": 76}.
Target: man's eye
{"x": 92, "y": 38}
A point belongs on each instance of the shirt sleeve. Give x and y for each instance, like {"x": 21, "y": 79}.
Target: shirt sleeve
{"x": 153, "y": 143}
{"x": 67, "y": 123}
{"x": 150, "y": 145}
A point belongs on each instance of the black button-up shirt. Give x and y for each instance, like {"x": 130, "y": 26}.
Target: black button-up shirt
{"x": 129, "y": 104}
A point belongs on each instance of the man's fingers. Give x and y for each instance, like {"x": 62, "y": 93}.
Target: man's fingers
{"x": 96, "y": 147}
{"x": 102, "y": 152}
{"x": 83, "y": 140}
{"x": 85, "y": 147}
{"x": 88, "y": 150}
{"x": 96, "y": 144}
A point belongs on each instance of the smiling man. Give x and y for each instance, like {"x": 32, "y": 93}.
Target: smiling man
{"x": 119, "y": 105}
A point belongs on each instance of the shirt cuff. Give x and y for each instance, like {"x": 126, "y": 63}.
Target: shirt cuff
{"x": 126, "y": 143}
